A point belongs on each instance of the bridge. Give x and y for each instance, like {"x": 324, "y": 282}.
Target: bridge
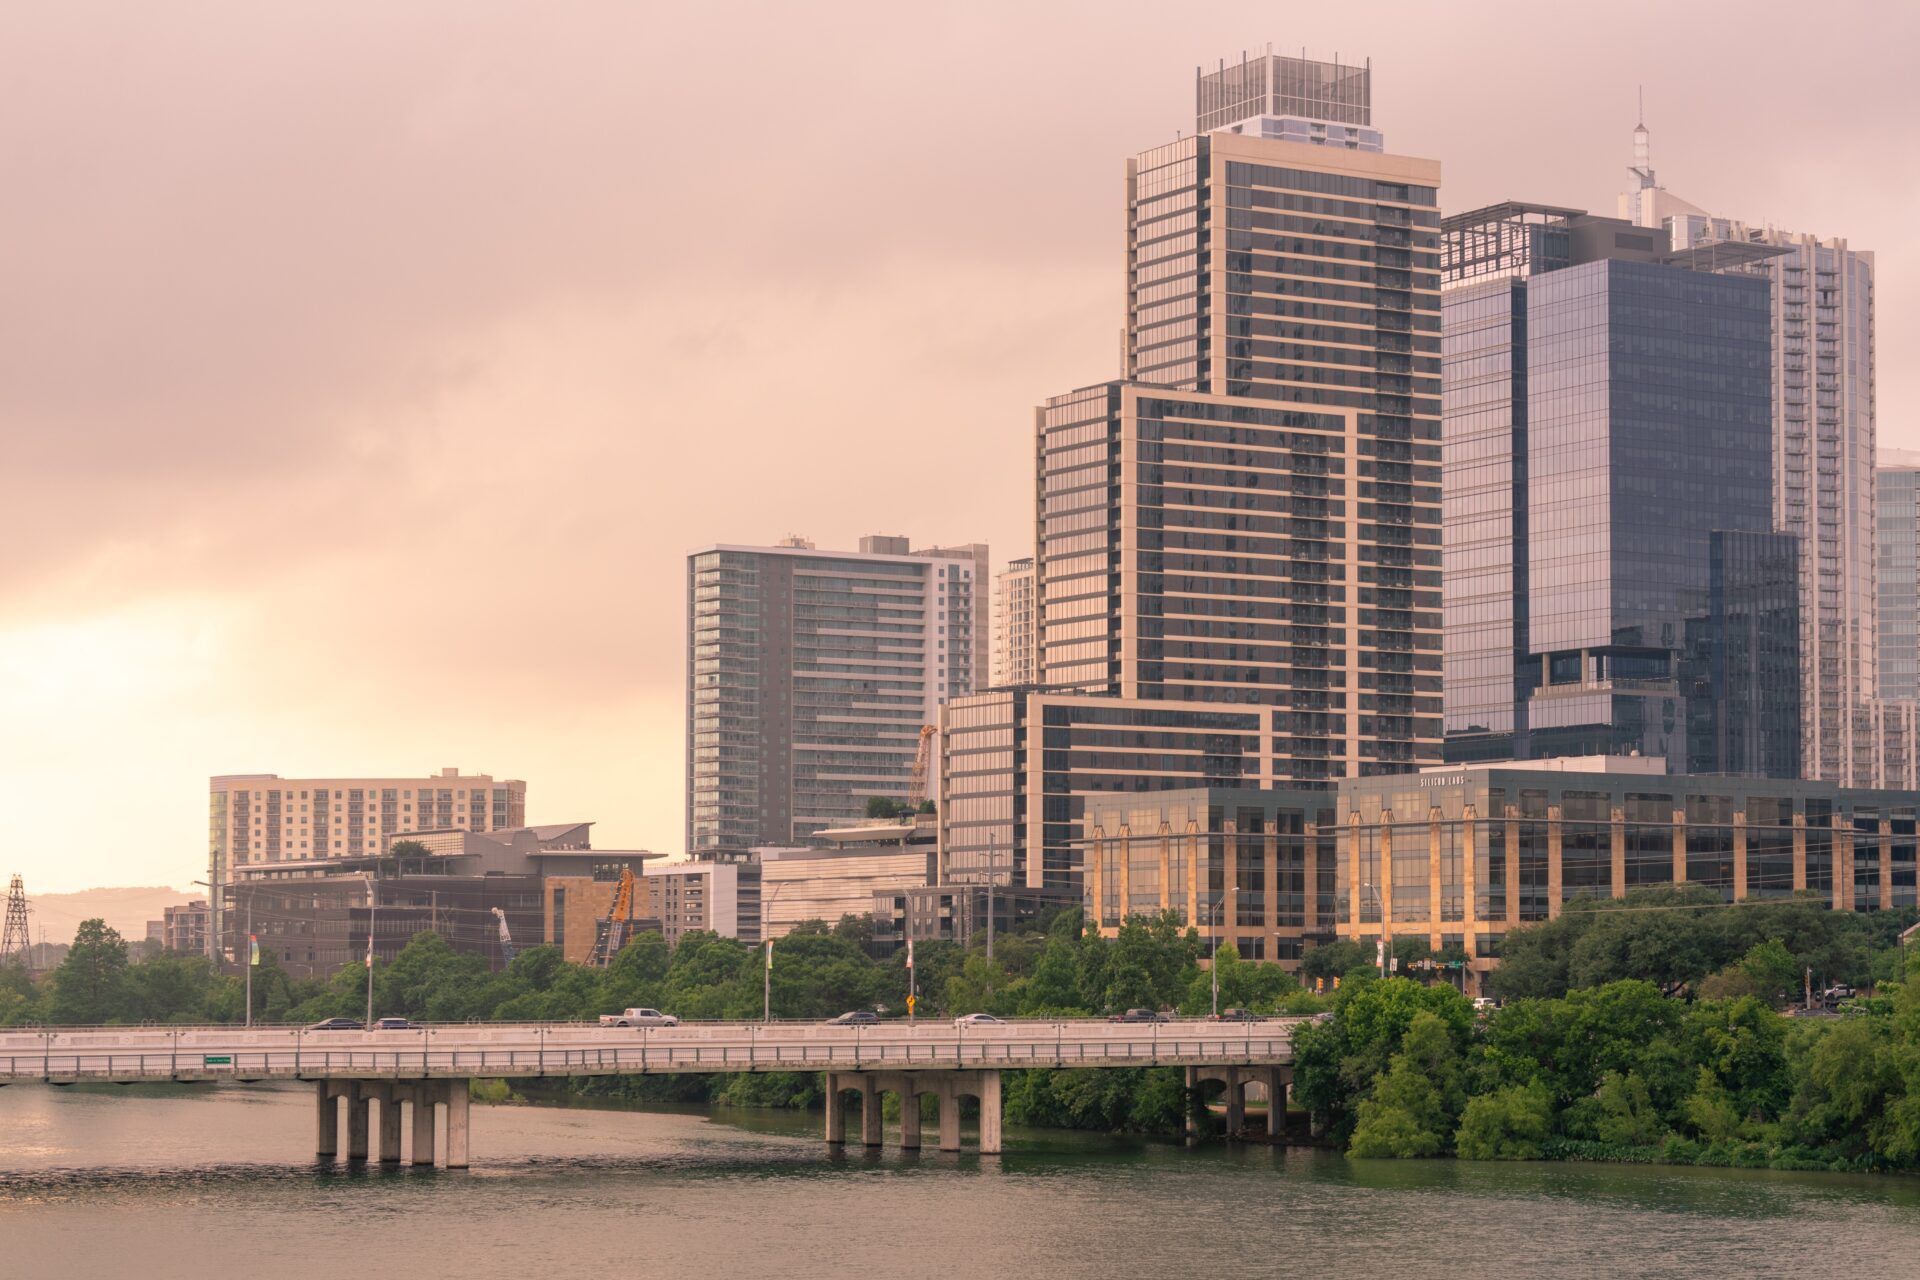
{"x": 422, "y": 1073}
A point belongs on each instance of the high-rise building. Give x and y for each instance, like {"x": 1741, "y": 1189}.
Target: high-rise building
{"x": 1237, "y": 572}
{"x": 809, "y": 676}
{"x": 1015, "y": 656}
{"x": 1611, "y": 578}
{"x": 1897, "y": 553}
{"x": 1822, "y": 367}
{"x": 257, "y": 818}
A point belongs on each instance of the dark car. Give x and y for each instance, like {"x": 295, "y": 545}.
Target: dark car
{"x": 854, "y": 1018}
{"x": 1139, "y": 1015}
{"x": 1237, "y": 1015}
{"x": 394, "y": 1024}
{"x": 337, "y": 1024}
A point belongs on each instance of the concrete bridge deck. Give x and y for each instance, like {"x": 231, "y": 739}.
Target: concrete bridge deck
{"x": 424, "y": 1070}
{"x": 62, "y": 1055}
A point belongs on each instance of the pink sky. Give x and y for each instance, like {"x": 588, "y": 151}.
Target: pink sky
{"x": 366, "y": 372}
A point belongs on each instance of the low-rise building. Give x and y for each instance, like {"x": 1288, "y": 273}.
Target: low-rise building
{"x": 184, "y": 927}
{"x": 843, "y": 879}
{"x": 1460, "y": 856}
{"x": 956, "y": 912}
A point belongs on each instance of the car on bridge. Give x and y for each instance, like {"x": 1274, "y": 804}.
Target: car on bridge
{"x": 979, "y": 1020}
{"x": 639, "y": 1018}
{"x": 1139, "y": 1015}
{"x": 395, "y": 1024}
{"x": 1236, "y": 1015}
{"x": 337, "y": 1024}
{"x": 854, "y": 1018}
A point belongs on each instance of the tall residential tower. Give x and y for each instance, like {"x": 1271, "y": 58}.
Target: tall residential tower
{"x": 809, "y": 676}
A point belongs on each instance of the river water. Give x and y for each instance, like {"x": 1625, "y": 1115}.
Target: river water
{"x": 157, "y": 1181}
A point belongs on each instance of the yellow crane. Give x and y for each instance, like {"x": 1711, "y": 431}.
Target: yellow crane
{"x": 917, "y": 789}
{"x": 612, "y": 934}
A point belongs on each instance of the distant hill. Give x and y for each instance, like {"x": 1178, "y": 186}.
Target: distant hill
{"x": 127, "y": 910}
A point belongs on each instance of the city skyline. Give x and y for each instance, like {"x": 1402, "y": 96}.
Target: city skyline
{"x": 450, "y": 543}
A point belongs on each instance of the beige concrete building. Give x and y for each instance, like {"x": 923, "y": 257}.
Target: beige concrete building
{"x": 258, "y": 818}
{"x": 841, "y": 879}
{"x": 1015, "y": 626}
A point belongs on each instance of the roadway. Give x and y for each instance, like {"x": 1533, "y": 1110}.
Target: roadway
{"x": 63, "y": 1055}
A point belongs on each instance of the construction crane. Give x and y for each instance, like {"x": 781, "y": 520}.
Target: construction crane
{"x": 506, "y": 938}
{"x": 612, "y": 934}
{"x": 917, "y": 789}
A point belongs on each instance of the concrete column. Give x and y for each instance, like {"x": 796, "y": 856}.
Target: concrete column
{"x": 1236, "y": 1104}
{"x": 1799, "y": 852}
{"x": 1679, "y": 846}
{"x": 836, "y": 1112}
{"x": 949, "y": 1093}
{"x": 1740, "y": 856}
{"x": 1187, "y": 1123}
{"x": 1618, "y": 873}
{"x": 1276, "y": 1101}
{"x": 423, "y": 1123}
{"x": 989, "y": 1113}
{"x": 1556, "y": 883}
{"x": 389, "y": 1126}
{"x": 326, "y": 1141}
{"x": 870, "y": 1113}
{"x": 357, "y": 1103}
{"x": 457, "y": 1106}
{"x": 910, "y": 1118}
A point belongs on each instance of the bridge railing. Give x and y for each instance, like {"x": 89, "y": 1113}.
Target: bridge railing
{"x": 542, "y": 1049}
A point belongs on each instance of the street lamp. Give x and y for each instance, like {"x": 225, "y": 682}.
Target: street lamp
{"x": 1213, "y": 958}
{"x": 373, "y": 903}
{"x": 766, "y": 937}
{"x": 1383, "y": 955}
{"x": 247, "y": 962}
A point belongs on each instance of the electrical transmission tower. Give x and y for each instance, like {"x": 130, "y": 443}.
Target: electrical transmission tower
{"x": 14, "y": 942}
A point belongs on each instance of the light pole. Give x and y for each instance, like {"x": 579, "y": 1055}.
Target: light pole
{"x": 372, "y": 904}
{"x": 1383, "y": 955}
{"x": 1213, "y": 958}
{"x": 766, "y": 936}
{"x": 247, "y": 963}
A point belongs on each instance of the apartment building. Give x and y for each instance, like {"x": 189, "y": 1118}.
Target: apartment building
{"x": 260, "y": 818}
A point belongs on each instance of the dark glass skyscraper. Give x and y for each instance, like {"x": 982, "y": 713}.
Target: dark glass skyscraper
{"x": 1608, "y": 412}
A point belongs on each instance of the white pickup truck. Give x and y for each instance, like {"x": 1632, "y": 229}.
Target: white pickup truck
{"x": 639, "y": 1018}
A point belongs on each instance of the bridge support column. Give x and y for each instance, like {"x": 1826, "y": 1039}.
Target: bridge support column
{"x": 909, "y": 1115}
{"x": 423, "y": 1105}
{"x": 389, "y": 1125}
{"x": 836, "y": 1111}
{"x": 1236, "y": 1104}
{"x": 1277, "y": 1101}
{"x": 989, "y": 1085}
{"x": 871, "y": 1115}
{"x": 1192, "y": 1133}
{"x": 457, "y": 1104}
{"x": 356, "y": 1121}
{"x": 326, "y": 1140}
{"x": 948, "y": 1091}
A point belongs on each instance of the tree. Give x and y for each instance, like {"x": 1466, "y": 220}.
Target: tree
{"x": 884, "y": 807}
{"x": 91, "y": 984}
{"x": 1413, "y": 1110}
{"x": 1335, "y": 959}
{"x": 1510, "y": 1124}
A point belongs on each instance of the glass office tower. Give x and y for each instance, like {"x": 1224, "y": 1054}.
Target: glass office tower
{"x": 1608, "y": 412}
{"x": 1897, "y": 552}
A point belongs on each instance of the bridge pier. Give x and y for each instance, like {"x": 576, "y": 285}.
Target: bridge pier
{"x": 326, "y": 1142}
{"x": 457, "y": 1107}
{"x": 356, "y": 1121}
{"x": 948, "y": 1086}
{"x": 836, "y": 1112}
{"x": 1274, "y": 1080}
{"x": 423, "y": 1104}
{"x": 389, "y": 1123}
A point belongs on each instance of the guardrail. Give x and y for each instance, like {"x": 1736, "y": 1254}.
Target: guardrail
{"x": 542, "y": 1049}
